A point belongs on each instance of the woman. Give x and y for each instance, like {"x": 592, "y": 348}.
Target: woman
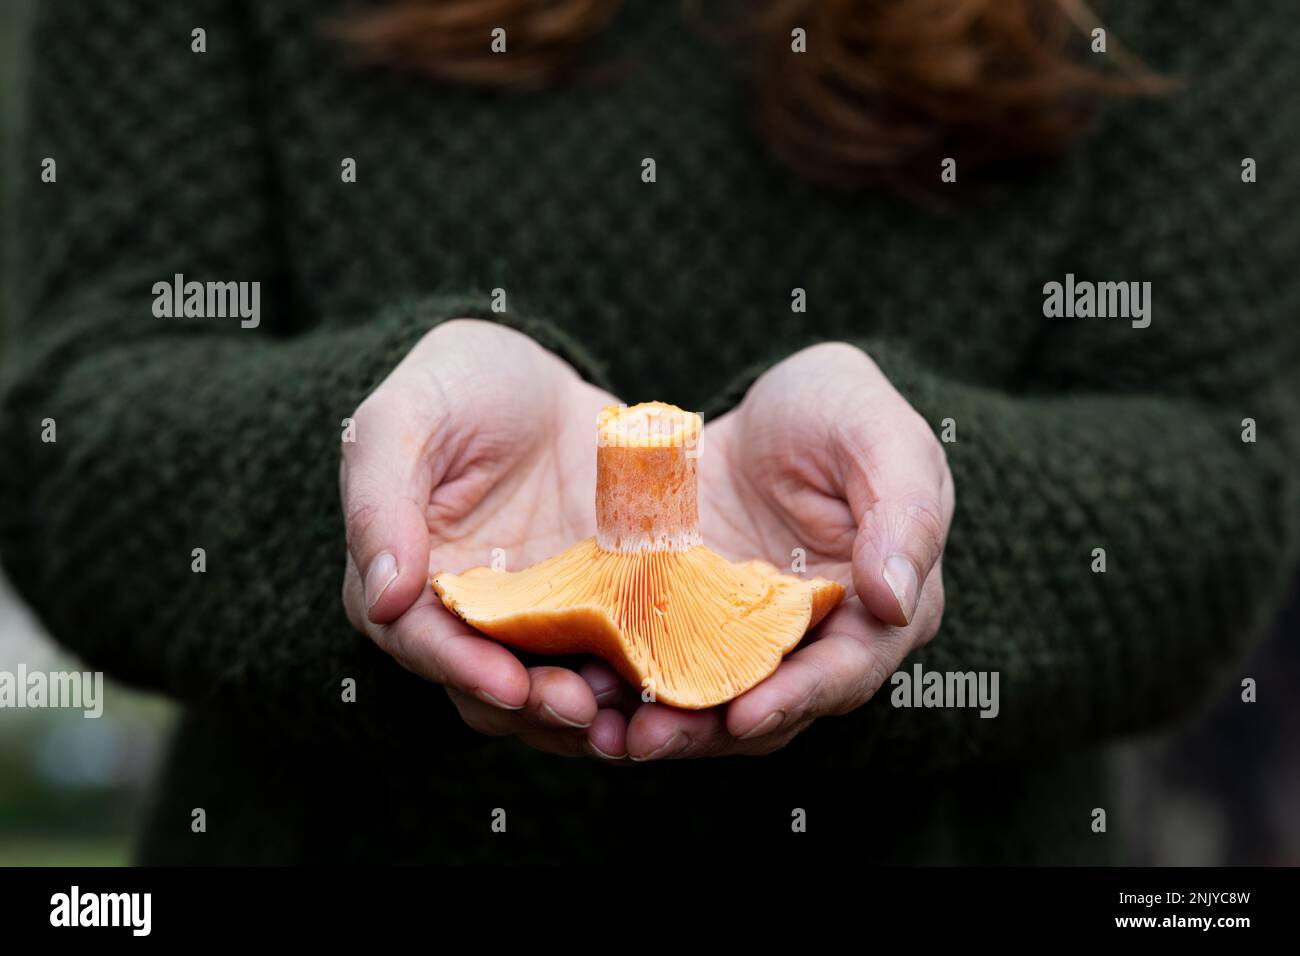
{"x": 453, "y": 277}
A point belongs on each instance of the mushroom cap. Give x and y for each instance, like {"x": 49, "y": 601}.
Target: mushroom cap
{"x": 690, "y": 626}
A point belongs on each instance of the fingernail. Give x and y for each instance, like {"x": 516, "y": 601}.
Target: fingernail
{"x": 666, "y": 749}
{"x": 901, "y": 578}
{"x": 559, "y": 718}
{"x": 765, "y": 726}
{"x": 489, "y": 699}
{"x": 382, "y": 573}
{"x": 600, "y": 753}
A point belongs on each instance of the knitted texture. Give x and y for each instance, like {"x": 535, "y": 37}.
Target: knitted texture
{"x": 1071, "y": 434}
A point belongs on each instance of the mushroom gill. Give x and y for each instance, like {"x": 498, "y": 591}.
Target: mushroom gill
{"x": 672, "y": 617}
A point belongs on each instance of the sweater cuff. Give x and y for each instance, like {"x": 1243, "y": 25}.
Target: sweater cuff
{"x": 902, "y": 372}
{"x": 404, "y": 324}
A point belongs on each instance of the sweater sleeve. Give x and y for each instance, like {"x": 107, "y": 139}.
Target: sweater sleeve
{"x": 132, "y": 440}
{"x": 1128, "y": 440}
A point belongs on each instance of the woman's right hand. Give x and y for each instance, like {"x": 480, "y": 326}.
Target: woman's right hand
{"x": 479, "y": 446}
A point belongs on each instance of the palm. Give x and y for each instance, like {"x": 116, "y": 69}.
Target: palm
{"x": 521, "y": 490}
{"x": 761, "y": 499}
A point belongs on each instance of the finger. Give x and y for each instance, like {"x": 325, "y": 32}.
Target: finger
{"x": 484, "y": 718}
{"x": 607, "y": 736}
{"x": 490, "y": 721}
{"x": 430, "y": 642}
{"x": 658, "y": 732}
{"x": 558, "y": 697}
{"x": 603, "y": 740}
{"x": 900, "y": 492}
{"x": 834, "y": 675}
{"x": 555, "y": 742}
{"x": 610, "y": 689}
{"x": 603, "y": 680}
{"x": 385, "y": 484}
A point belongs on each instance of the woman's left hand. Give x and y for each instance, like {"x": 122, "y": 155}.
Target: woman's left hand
{"x": 823, "y": 459}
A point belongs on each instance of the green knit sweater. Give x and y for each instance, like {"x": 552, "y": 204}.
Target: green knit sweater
{"x": 1072, "y": 434}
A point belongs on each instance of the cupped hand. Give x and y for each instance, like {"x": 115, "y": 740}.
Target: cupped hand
{"x": 823, "y": 469}
{"x": 476, "y": 449}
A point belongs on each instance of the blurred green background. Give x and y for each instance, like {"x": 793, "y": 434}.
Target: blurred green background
{"x": 71, "y": 788}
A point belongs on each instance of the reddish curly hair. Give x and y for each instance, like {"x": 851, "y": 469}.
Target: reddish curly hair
{"x": 883, "y": 87}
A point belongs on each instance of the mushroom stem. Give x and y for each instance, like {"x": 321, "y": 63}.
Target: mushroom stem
{"x": 646, "y": 485}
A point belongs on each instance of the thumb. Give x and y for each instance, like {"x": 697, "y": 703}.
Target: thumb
{"x": 385, "y": 489}
{"x": 897, "y": 545}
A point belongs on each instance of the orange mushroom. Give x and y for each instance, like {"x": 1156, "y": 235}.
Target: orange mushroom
{"x": 671, "y": 616}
